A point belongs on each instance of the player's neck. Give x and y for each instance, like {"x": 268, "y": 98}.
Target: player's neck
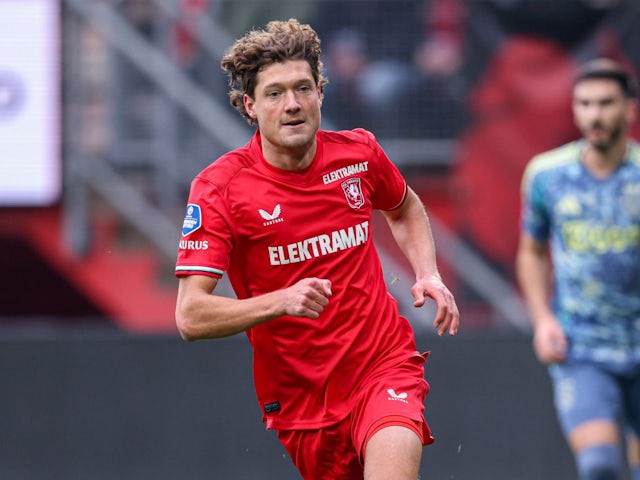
{"x": 290, "y": 159}
{"x": 602, "y": 162}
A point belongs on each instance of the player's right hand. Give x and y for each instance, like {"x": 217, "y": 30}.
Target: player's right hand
{"x": 549, "y": 341}
{"x": 307, "y": 298}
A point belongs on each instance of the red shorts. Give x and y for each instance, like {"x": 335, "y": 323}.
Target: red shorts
{"x": 393, "y": 397}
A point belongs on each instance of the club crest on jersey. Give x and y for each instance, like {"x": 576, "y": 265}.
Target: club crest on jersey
{"x": 352, "y": 189}
{"x": 273, "y": 217}
{"x": 192, "y": 219}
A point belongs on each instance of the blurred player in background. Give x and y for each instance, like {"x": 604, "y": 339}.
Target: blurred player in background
{"x": 288, "y": 218}
{"x": 581, "y": 222}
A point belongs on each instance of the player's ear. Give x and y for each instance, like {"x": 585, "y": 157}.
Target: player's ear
{"x": 248, "y": 106}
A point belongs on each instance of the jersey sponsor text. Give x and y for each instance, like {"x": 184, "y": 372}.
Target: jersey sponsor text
{"x": 345, "y": 172}
{"x": 319, "y": 245}
{"x": 194, "y": 244}
{"x": 580, "y": 236}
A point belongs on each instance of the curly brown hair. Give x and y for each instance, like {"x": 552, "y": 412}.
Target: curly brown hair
{"x": 279, "y": 42}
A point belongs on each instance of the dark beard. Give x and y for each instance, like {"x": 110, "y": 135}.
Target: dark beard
{"x": 616, "y": 133}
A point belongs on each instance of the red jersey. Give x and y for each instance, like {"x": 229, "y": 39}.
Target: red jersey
{"x": 267, "y": 228}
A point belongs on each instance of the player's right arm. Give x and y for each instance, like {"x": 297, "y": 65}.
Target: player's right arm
{"x": 533, "y": 270}
{"x": 200, "y": 314}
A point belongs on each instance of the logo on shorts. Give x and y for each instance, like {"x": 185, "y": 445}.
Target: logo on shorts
{"x": 397, "y": 397}
{"x": 566, "y": 394}
{"x": 272, "y": 407}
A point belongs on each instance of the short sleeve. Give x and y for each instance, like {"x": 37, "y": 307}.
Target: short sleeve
{"x": 535, "y": 219}
{"x": 206, "y": 239}
{"x": 389, "y": 185}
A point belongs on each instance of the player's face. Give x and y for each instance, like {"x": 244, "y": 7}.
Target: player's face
{"x": 602, "y": 112}
{"x": 286, "y": 105}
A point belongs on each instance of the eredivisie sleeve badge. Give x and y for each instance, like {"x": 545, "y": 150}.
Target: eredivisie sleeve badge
{"x": 192, "y": 219}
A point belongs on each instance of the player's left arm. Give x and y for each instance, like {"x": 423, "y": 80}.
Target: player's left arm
{"x": 410, "y": 226}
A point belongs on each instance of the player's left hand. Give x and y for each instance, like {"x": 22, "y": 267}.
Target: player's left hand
{"x": 447, "y": 315}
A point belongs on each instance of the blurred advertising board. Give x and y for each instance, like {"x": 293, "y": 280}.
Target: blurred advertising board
{"x": 30, "y": 163}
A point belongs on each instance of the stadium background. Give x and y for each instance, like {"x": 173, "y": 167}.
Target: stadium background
{"x": 109, "y": 108}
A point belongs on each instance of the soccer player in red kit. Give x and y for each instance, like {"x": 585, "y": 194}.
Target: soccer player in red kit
{"x": 288, "y": 218}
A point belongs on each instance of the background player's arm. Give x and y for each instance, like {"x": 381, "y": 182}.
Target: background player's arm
{"x": 533, "y": 270}
{"x": 200, "y": 315}
{"x": 412, "y": 232}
